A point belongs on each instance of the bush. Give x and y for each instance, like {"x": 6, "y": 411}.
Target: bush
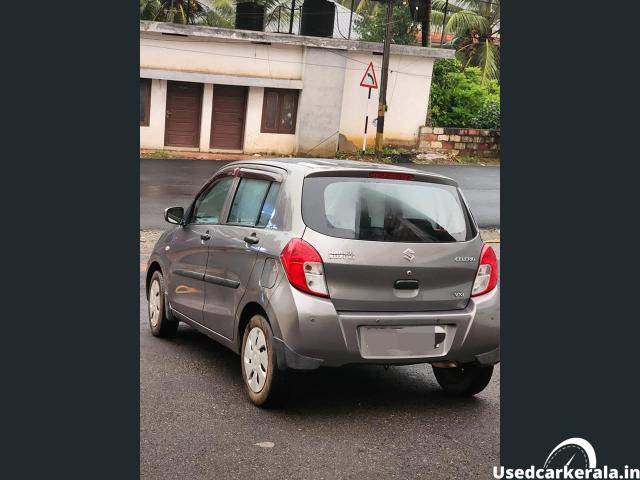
{"x": 459, "y": 98}
{"x": 488, "y": 116}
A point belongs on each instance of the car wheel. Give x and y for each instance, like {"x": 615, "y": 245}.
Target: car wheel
{"x": 161, "y": 326}
{"x": 464, "y": 380}
{"x": 259, "y": 364}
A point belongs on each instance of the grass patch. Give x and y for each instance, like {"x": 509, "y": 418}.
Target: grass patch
{"x": 471, "y": 160}
{"x": 159, "y": 154}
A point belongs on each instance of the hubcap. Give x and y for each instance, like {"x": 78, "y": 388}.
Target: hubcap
{"x": 154, "y": 303}
{"x": 255, "y": 359}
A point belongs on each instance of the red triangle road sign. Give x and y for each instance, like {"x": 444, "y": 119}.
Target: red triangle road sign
{"x": 369, "y": 79}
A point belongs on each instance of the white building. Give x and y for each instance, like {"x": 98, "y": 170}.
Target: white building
{"x": 214, "y": 89}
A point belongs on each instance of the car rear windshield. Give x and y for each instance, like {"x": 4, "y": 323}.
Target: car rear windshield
{"x": 385, "y": 210}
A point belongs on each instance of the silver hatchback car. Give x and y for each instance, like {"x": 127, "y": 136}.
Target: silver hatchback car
{"x": 301, "y": 263}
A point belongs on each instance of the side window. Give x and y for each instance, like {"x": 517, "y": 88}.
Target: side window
{"x": 208, "y": 206}
{"x": 269, "y": 205}
{"x": 254, "y": 202}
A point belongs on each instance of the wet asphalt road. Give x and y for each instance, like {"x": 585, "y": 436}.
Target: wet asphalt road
{"x": 357, "y": 422}
{"x": 165, "y": 183}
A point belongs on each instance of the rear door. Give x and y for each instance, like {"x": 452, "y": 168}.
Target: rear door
{"x": 391, "y": 242}
{"x": 235, "y": 246}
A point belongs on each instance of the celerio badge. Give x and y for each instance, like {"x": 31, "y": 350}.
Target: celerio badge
{"x": 341, "y": 255}
{"x": 464, "y": 259}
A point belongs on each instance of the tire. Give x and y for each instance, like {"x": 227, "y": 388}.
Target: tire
{"x": 465, "y": 380}
{"x": 263, "y": 383}
{"x": 160, "y": 324}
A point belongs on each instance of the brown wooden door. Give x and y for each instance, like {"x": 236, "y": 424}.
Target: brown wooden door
{"x": 184, "y": 103}
{"x": 227, "y": 121}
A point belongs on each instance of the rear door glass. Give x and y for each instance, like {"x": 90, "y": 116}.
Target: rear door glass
{"x": 385, "y": 210}
{"x": 254, "y": 202}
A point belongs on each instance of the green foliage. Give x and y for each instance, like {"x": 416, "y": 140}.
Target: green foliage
{"x": 475, "y": 25}
{"x": 219, "y": 13}
{"x": 442, "y": 67}
{"x": 488, "y": 116}
{"x": 460, "y": 97}
{"x": 372, "y": 26}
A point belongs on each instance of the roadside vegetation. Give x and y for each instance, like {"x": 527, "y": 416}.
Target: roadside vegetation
{"x": 460, "y": 97}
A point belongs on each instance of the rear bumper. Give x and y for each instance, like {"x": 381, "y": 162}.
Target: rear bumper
{"x": 311, "y": 333}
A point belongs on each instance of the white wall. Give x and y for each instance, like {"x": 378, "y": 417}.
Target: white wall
{"x": 320, "y": 102}
{"x": 256, "y": 142}
{"x": 407, "y": 100}
{"x": 323, "y": 107}
{"x": 153, "y": 135}
{"x": 220, "y": 57}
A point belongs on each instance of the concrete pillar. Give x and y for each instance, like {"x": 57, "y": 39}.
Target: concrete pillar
{"x": 205, "y": 121}
{"x": 320, "y": 102}
{"x": 153, "y": 135}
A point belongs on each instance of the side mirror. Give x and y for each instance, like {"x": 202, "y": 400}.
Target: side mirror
{"x": 174, "y": 214}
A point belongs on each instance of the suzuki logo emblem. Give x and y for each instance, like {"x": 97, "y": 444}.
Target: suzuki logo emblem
{"x": 409, "y": 254}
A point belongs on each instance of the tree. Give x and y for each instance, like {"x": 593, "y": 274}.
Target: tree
{"x": 212, "y": 13}
{"x": 222, "y": 13}
{"x": 426, "y": 24}
{"x": 174, "y": 11}
{"x": 372, "y": 26}
{"x": 475, "y": 25}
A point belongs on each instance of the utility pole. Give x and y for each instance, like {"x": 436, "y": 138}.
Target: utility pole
{"x": 351, "y": 19}
{"x": 384, "y": 76}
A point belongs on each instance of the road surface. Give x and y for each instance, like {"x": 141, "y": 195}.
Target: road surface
{"x": 166, "y": 183}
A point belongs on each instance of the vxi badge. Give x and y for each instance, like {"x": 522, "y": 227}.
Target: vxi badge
{"x": 573, "y": 458}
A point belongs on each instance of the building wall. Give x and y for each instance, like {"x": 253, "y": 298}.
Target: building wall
{"x": 407, "y": 100}
{"x": 332, "y": 105}
{"x": 256, "y": 142}
{"x": 320, "y": 102}
{"x": 248, "y": 59}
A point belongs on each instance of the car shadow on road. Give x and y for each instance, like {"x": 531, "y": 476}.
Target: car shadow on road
{"x": 342, "y": 390}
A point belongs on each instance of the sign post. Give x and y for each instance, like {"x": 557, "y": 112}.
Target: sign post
{"x": 369, "y": 81}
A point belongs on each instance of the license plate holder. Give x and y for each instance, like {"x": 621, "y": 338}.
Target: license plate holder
{"x": 402, "y": 341}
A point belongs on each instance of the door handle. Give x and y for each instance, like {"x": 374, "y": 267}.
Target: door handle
{"x": 205, "y": 236}
{"x": 252, "y": 239}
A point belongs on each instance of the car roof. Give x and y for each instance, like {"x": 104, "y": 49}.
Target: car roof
{"x": 308, "y": 165}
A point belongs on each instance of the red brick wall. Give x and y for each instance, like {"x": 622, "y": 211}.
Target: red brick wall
{"x": 460, "y": 141}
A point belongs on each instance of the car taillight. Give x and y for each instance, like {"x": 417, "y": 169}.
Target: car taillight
{"x": 304, "y": 268}
{"x": 487, "y": 276}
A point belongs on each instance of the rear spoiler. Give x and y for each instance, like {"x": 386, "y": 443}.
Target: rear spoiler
{"x": 389, "y": 173}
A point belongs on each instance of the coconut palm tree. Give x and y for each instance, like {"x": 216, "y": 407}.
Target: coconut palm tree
{"x": 175, "y": 11}
{"x": 475, "y": 25}
{"x": 213, "y": 13}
